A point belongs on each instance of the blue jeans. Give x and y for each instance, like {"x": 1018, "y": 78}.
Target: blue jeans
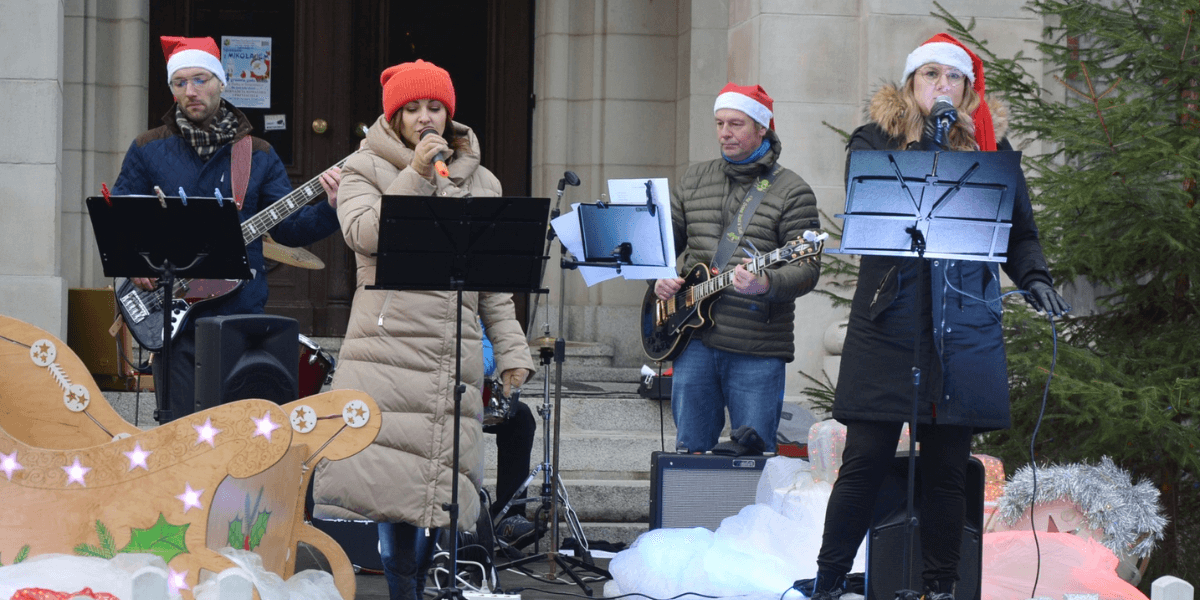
{"x": 708, "y": 381}
{"x": 406, "y": 553}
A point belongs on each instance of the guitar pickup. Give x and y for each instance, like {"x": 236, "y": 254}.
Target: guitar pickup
{"x": 134, "y": 308}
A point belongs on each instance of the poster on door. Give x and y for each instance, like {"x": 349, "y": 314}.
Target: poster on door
{"x": 247, "y": 62}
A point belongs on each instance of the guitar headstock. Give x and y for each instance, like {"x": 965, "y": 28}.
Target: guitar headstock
{"x": 806, "y": 246}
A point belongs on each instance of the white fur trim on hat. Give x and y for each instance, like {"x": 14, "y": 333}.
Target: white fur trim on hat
{"x": 195, "y": 58}
{"x": 753, "y": 108}
{"x": 942, "y": 53}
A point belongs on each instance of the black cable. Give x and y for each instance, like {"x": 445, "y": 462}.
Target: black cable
{"x": 1037, "y": 424}
{"x": 629, "y": 595}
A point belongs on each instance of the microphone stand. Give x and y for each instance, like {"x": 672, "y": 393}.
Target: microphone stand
{"x": 568, "y": 178}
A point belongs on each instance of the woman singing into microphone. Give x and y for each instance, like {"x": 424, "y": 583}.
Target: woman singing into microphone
{"x": 963, "y": 385}
{"x": 400, "y": 345}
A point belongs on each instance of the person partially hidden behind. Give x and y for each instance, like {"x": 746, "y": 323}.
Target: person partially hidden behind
{"x": 955, "y": 308}
{"x": 514, "y": 447}
{"x": 739, "y": 361}
{"x": 193, "y": 150}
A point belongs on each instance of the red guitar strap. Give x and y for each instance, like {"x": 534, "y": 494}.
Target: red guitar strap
{"x": 239, "y": 165}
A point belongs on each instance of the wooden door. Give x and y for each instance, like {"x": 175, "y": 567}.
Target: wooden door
{"x": 327, "y": 57}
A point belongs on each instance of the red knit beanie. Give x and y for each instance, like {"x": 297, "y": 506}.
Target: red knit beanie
{"x": 410, "y": 81}
{"x": 932, "y": 51}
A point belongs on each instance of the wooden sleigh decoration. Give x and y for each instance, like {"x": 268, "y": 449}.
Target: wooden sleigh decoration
{"x": 76, "y": 478}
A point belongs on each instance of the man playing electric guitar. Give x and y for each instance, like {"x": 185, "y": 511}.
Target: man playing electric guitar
{"x": 743, "y": 202}
{"x": 204, "y": 145}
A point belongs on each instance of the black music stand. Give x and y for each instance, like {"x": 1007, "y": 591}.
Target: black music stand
{"x": 460, "y": 244}
{"x": 921, "y": 204}
{"x": 167, "y": 238}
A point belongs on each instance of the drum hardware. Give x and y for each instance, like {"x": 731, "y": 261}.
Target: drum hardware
{"x": 316, "y": 367}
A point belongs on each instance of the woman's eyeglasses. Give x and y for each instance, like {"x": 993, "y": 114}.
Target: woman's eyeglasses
{"x": 931, "y": 76}
{"x": 198, "y": 81}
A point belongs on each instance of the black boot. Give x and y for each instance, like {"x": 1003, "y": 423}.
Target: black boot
{"x": 941, "y": 589}
{"x": 828, "y": 586}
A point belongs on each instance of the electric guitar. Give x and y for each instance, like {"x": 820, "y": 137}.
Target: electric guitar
{"x": 143, "y": 309}
{"x": 667, "y": 325}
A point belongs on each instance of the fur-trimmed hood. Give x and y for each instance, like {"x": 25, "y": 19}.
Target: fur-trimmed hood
{"x": 887, "y": 109}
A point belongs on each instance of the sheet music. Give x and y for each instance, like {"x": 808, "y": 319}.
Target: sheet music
{"x": 660, "y": 242}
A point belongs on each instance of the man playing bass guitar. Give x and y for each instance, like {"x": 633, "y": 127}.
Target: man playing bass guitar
{"x": 202, "y": 146}
{"x": 742, "y": 203}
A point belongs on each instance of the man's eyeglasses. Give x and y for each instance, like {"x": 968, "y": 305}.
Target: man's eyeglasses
{"x": 931, "y": 75}
{"x": 198, "y": 81}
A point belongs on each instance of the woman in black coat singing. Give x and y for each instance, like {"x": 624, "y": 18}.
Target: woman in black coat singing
{"x": 952, "y": 305}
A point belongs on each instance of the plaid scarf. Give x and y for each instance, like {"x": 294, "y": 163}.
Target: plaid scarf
{"x": 207, "y": 141}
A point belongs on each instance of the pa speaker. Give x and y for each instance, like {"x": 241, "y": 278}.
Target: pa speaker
{"x": 700, "y": 490}
{"x": 246, "y": 356}
{"x": 885, "y": 539}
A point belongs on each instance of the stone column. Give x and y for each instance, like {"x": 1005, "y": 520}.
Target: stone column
{"x": 31, "y": 284}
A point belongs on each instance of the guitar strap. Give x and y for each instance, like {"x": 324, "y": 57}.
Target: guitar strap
{"x": 239, "y": 165}
{"x": 733, "y": 234}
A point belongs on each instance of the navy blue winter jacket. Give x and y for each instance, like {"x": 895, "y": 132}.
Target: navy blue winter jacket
{"x": 162, "y": 157}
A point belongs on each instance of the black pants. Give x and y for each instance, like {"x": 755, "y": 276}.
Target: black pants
{"x": 870, "y": 450}
{"x": 514, "y": 446}
{"x": 182, "y": 401}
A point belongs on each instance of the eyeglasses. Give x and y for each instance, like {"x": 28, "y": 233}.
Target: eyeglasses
{"x": 931, "y": 75}
{"x": 198, "y": 81}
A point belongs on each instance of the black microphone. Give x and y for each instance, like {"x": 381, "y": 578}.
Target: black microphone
{"x": 439, "y": 161}
{"x": 568, "y": 178}
{"x": 943, "y": 105}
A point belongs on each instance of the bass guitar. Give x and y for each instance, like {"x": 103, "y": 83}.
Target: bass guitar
{"x": 667, "y": 325}
{"x": 143, "y": 309}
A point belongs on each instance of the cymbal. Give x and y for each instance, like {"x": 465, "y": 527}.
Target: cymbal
{"x": 297, "y": 257}
{"x": 548, "y": 342}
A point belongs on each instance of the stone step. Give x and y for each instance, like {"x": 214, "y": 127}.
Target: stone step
{"x": 597, "y": 500}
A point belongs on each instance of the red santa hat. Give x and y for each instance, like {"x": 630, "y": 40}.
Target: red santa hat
{"x": 750, "y": 99}
{"x": 943, "y": 49}
{"x": 184, "y": 53}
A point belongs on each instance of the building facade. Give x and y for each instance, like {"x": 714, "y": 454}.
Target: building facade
{"x": 621, "y": 89}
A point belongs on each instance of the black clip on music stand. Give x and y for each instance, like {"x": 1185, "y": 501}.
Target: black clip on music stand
{"x": 143, "y": 236}
{"x": 920, "y": 204}
{"x": 460, "y": 244}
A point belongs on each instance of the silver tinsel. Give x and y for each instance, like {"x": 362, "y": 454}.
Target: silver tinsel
{"x": 1129, "y": 515}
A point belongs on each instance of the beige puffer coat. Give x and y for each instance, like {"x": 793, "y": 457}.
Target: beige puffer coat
{"x": 399, "y": 348}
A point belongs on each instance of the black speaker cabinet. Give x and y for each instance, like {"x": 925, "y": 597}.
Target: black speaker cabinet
{"x": 700, "y": 490}
{"x": 246, "y": 356}
{"x": 885, "y": 539}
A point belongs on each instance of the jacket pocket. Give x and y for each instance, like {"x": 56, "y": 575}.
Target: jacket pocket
{"x": 885, "y": 293}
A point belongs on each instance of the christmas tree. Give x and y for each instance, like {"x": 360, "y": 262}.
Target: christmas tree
{"x": 1115, "y": 109}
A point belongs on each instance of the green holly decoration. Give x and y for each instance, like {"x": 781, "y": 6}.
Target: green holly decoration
{"x": 22, "y": 554}
{"x": 164, "y": 540}
{"x": 249, "y": 540}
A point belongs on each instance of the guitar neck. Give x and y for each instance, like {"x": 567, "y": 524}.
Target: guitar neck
{"x": 725, "y": 279}
{"x": 254, "y": 227}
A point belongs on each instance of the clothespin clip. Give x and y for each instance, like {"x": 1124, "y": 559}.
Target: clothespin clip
{"x": 220, "y": 200}
{"x": 162, "y": 198}
{"x": 182, "y": 197}
{"x": 107, "y": 196}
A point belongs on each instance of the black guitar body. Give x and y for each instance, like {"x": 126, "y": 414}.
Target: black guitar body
{"x": 667, "y": 325}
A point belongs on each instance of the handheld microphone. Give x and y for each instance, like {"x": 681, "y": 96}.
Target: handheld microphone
{"x": 943, "y": 105}
{"x": 439, "y": 161}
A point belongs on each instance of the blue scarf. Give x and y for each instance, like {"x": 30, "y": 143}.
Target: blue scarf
{"x": 761, "y": 152}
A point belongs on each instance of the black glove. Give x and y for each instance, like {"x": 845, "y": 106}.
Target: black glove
{"x": 934, "y": 137}
{"x": 1043, "y": 298}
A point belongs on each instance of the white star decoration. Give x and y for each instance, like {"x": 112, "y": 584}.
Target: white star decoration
{"x": 137, "y": 458}
{"x": 206, "y": 433}
{"x": 75, "y": 473}
{"x": 177, "y": 581}
{"x": 264, "y": 426}
{"x": 8, "y": 464}
{"x": 190, "y": 498}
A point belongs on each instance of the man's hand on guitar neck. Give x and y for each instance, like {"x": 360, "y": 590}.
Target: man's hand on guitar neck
{"x": 748, "y": 283}
{"x": 665, "y": 288}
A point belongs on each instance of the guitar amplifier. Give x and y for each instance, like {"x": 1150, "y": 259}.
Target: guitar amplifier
{"x": 700, "y": 490}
